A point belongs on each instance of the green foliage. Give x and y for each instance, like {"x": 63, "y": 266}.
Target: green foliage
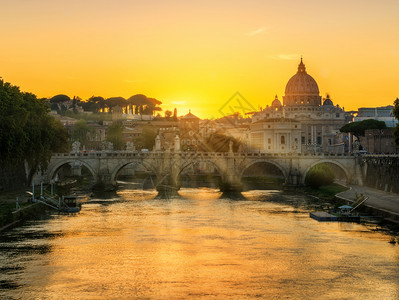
{"x": 146, "y": 139}
{"x": 319, "y": 175}
{"x": 326, "y": 191}
{"x": 115, "y": 136}
{"x": 395, "y": 110}
{"x": 27, "y": 132}
{"x": 79, "y": 132}
{"x": 358, "y": 128}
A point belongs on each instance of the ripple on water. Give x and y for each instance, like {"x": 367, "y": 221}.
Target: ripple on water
{"x": 131, "y": 244}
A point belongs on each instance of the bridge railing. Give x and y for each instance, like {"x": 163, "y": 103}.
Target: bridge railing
{"x": 137, "y": 154}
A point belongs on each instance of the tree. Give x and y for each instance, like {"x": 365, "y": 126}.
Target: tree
{"x": 27, "y": 132}
{"x": 116, "y": 101}
{"x": 79, "y": 132}
{"x": 143, "y": 105}
{"x": 146, "y": 139}
{"x": 94, "y": 104}
{"x": 59, "y": 99}
{"x": 168, "y": 114}
{"x": 115, "y": 136}
{"x": 319, "y": 175}
{"x": 358, "y": 128}
{"x": 395, "y": 112}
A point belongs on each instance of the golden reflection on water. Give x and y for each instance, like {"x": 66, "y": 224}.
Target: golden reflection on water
{"x": 201, "y": 246}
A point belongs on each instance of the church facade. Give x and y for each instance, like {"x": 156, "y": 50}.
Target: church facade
{"x": 303, "y": 123}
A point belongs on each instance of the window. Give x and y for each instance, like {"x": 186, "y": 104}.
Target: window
{"x": 303, "y": 140}
{"x": 337, "y": 115}
{"x": 188, "y": 142}
{"x": 268, "y": 126}
{"x": 282, "y": 140}
{"x": 269, "y": 141}
{"x": 318, "y": 140}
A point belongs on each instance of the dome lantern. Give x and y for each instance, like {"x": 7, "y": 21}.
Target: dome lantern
{"x": 301, "y": 67}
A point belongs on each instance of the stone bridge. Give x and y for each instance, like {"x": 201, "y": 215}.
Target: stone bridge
{"x": 168, "y": 166}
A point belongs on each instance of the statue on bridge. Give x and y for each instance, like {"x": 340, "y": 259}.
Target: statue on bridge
{"x": 177, "y": 143}
{"x": 158, "y": 143}
{"x": 130, "y": 147}
{"x": 76, "y": 147}
{"x": 231, "y": 146}
{"x": 110, "y": 146}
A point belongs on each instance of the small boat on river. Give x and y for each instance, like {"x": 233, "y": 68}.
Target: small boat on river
{"x": 69, "y": 204}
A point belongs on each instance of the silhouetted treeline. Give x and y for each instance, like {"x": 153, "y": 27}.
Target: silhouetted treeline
{"x": 137, "y": 104}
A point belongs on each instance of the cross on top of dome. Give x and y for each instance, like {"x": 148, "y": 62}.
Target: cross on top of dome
{"x": 301, "y": 67}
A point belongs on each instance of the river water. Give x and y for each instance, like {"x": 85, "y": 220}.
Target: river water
{"x": 132, "y": 245}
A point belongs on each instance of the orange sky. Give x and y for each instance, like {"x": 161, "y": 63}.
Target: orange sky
{"x": 197, "y": 54}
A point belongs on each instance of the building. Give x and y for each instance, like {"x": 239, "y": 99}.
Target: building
{"x": 382, "y": 113}
{"x": 189, "y": 129}
{"x": 379, "y": 141}
{"x": 279, "y": 135}
{"x": 304, "y": 122}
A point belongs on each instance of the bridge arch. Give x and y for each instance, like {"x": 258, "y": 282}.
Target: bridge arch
{"x": 327, "y": 161}
{"x": 118, "y": 168}
{"x": 190, "y": 163}
{"x": 277, "y": 165}
{"x": 52, "y": 171}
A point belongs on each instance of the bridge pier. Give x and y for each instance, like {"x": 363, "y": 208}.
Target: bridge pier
{"x": 76, "y": 168}
{"x": 104, "y": 181}
{"x": 294, "y": 178}
{"x": 231, "y": 179}
{"x": 168, "y": 183}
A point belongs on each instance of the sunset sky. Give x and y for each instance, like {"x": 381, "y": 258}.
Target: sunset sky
{"x": 197, "y": 54}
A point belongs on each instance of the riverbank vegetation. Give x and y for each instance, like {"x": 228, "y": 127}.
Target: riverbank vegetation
{"x": 327, "y": 192}
{"x": 319, "y": 175}
{"x": 28, "y": 134}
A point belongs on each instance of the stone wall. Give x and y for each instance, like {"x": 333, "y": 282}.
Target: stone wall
{"x": 382, "y": 173}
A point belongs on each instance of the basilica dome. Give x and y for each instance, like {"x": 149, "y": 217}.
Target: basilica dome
{"x": 302, "y": 89}
{"x": 328, "y": 101}
{"x": 301, "y": 83}
{"x": 276, "y": 102}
